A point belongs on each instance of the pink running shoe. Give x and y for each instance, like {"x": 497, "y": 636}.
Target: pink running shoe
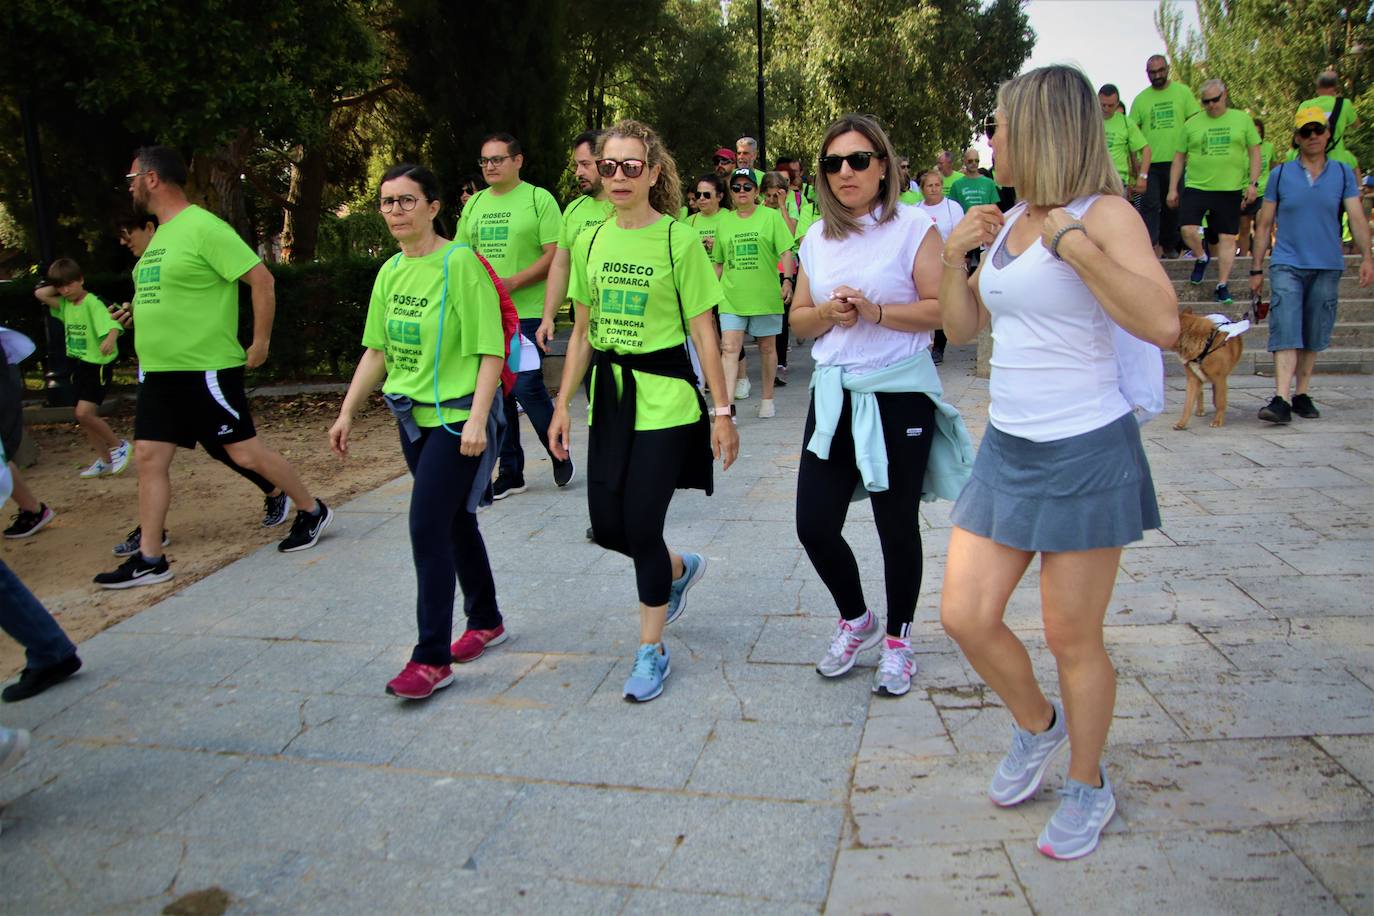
{"x": 417, "y": 681}
{"x": 473, "y": 643}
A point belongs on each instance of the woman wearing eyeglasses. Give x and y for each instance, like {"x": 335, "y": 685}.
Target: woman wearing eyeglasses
{"x": 750, "y": 242}
{"x": 876, "y": 425}
{"x": 1060, "y": 471}
{"x": 641, "y": 283}
{"x": 435, "y": 341}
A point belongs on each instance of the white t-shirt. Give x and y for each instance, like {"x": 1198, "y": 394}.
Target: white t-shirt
{"x": 946, "y": 215}
{"x": 878, "y": 262}
{"x": 1054, "y": 369}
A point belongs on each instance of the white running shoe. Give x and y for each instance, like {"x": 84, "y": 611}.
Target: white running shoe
{"x": 742, "y": 388}
{"x": 119, "y": 458}
{"x": 767, "y": 410}
{"x": 844, "y": 647}
{"x": 98, "y": 468}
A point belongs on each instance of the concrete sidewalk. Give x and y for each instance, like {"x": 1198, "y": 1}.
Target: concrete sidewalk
{"x": 236, "y": 735}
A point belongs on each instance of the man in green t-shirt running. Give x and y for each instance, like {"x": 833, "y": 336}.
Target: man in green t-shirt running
{"x": 1221, "y": 150}
{"x": 516, "y": 227}
{"x": 588, "y": 210}
{"x": 186, "y": 303}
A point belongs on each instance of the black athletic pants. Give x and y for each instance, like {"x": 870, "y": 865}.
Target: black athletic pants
{"x": 631, "y": 521}
{"x": 446, "y": 544}
{"x": 824, "y": 488}
{"x": 1160, "y": 220}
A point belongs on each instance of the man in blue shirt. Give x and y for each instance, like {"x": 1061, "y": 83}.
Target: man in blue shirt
{"x": 1308, "y": 196}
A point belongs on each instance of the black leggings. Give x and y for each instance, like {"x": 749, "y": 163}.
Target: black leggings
{"x": 824, "y": 488}
{"x": 631, "y": 521}
{"x": 446, "y": 544}
{"x": 217, "y": 452}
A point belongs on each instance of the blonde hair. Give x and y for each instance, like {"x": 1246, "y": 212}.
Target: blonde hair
{"x": 775, "y": 181}
{"x": 1056, "y": 147}
{"x": 839, "y": 222}
{"x": 665, "y": 195}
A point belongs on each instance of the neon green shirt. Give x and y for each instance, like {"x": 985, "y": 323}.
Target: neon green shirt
{"x": 186, "y": 295}
{"x": 1160, "y": 114}
{"x": 583, "y": 213}
{"x": 86, "y": 323}
{"x": 950, "y": 179}
{"x": 1219, "y": 150}
{"x": 1338, "y": 151}
{"x": 403, "y": 323}
{"x": 1123, "y": 138}
{"x": 631, "y": 286}
{"x": 1266, "y": 162}
{"x": 706, "y": 226}
{"x": 510, "y": 231}
{"x": 749, "y": 249}
{"x": 810, "y": 214}
{"x": 910, "y": 197}
{"x": 971, "y": 192}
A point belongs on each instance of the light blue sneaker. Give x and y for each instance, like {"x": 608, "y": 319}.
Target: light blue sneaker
{"x": 693, "y": 568}
{"x": 1084, "y": 810}
{"x": 1019, "y": 774}
{"x": 650, "y": 671}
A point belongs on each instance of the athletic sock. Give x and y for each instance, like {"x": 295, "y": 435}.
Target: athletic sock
{"x": 151, "y": 561}
{"x": 315, "y": 512}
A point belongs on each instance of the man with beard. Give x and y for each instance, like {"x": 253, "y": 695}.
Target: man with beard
{"x": 1159, "y": 112}
{"x": 587, "y": 211}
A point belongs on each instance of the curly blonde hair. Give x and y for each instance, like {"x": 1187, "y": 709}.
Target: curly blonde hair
{"x": 665, "y": 195}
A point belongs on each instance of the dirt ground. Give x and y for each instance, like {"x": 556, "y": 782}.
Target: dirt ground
{"x": 215, "y": 516}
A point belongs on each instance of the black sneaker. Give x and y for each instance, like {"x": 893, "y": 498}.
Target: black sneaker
{"x": 1199, "y": 270}
{"x": 27, "y": 524}
{"x": 509, "y": 486}
{"x": 937, "y": 356}
{"x": 563, "y": 472}
{"x": 1276, "y": 411}
{"x": 1223, "y": 294}
{"x": 591, "y": 535}
{"x": 306, "y": 529}
{"x": 136, "y": 571}
{"x": 275, "y": 510}
{"x": 33, "y": 681}
{"x": 1303, "y": 407}
{"x": 134, "y": 540}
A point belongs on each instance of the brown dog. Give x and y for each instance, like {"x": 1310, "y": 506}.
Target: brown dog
{"x": 1207, "y": 356}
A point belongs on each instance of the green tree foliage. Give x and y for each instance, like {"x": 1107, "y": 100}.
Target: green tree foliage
{"x": 928, "y": 70}
{"x": 1268, "y": 52}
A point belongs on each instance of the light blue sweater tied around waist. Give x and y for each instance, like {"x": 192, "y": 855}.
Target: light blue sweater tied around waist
{"x": 951, "y": 452}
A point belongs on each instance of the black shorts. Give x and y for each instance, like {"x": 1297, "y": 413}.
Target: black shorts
{"x": 190, "y": 407}
{"x": 1222, "y": 209}
{"x": 91, "y": 381}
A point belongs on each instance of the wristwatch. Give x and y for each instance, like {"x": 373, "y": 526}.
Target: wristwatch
{"x": 1256, "y": 273}
{"x": 722, "y": 411}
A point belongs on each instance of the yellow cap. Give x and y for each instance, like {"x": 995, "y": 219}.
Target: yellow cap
{"x": 1309, "y": 115}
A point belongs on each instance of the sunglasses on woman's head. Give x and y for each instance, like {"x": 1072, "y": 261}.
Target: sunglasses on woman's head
{"x": 1311, "y": 130}
{"x": 857, "y": 161}
{"x": 632, "y": 168}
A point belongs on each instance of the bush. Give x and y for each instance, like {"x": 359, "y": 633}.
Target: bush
{"x": 318, "y": 329}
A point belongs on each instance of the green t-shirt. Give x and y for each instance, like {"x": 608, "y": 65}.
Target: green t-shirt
{"x": 584, "y": 213}
{"x": 749, "y": 249}
{"x": 403, "y": 323}
{"x": 706, "y": 225}
{"x": 1219, "y": 150}
{"x": 809, "y": 215}
{"x": 87, "y": 322}
{"x": 186, "y": 295}
{"x": 910, "y": 197}
{"x": 972, "y": 192}
{"x": 1266, "y": 162}
{"x": 510, "y": 231}
{"x": 631, "y": 288}
{"x": 950, "y": 179}
{"x": 1160, "y": 114}
{"x": 1123, "y": 138}
{"x": 1338, "y": 151}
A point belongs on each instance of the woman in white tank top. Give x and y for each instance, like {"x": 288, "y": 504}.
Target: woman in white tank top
{"x": 1060, "y": 471}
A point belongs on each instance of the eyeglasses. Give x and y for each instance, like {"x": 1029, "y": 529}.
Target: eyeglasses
{"x": 990, "y": 125}
{"x": 1311, "y": 130}
{"x": 133, "y": 176}
{"x": 703, "y": 195}
{"x": 406, "y": 202}
{"x": 721, "y": 160}
{"x": 1212, "y": 101}
{"x": 741, "y": 188}
{"x": 484, "y": 161}
{"x": 857, "y": 161}
{"x": 970, "y": 163}
{"x": 632, "y": 168}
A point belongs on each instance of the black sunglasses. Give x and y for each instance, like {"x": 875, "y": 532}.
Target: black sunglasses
{"x": 632, "y": 168}
{"x": 990, "y": 125}
{"x": 741, "y": 188}
{"x": 1212, "y": 101}
{"x": 1311, "y": 130}
{"x": 722, "y": 159}
{"x": 857, "y": 161}
{"x": 703, "y": 195}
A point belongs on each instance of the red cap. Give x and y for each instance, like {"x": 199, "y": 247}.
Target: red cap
{"x": 724, "y": 153}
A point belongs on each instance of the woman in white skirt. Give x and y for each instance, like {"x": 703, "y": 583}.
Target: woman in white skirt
{"x": 1061, "y": 471}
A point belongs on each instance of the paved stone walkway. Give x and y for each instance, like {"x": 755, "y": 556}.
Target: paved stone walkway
{"x": 236, "y": 735}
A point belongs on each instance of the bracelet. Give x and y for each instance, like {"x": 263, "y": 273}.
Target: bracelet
{"x": 880, "y": 313}
{"x": 1054, "y": 243}
{"x": 723, "y": 411}
{"x": 1256, "y": 273}
{"x": 947, "y": 264}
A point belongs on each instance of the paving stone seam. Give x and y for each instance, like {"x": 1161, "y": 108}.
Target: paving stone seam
{"x": 1313, "y": 872}
{"x": 1312, "y": 739}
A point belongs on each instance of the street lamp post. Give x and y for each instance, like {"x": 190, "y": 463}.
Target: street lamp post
{"x": 758, "y": 9}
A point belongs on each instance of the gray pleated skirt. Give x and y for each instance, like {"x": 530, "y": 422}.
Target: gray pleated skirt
{"x": 1084, "y": 492}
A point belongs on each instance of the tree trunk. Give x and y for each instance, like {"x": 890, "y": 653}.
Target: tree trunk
{"x": 301, "y": 226}
{"x": 214, "y": 180}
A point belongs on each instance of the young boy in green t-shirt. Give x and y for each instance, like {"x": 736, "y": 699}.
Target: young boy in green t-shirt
{"x": 91, "y": 335}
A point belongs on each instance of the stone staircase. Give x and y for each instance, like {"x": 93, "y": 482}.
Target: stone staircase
{"x": 1352, "y": 342}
